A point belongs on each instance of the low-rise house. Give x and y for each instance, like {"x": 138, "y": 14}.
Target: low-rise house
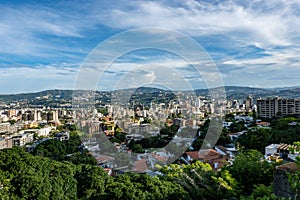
{"x": 227, "y": 124}
{"x": 231, "y": 150}
{"x": 285, "y": 151}
{"x": 104, "y": 160}
{"x": 210, "y": 156}
{"x": 262, "y": 124}
{"x": 109, "y": 171}
{"x": 62, "y": 136}
{"x": 244, "y": 118}
{"x": 22, "y": 139}
{"x": 162, "y": 156}
{"x": 222, "y": 150}
{"x": 235, "y": 136}
{"x": 271, "y": 149}
{"x": 44, "y": 131}
{"x": 134, "y": 137}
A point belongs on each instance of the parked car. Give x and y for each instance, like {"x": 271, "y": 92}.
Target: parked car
{"x": 275, "y": 157}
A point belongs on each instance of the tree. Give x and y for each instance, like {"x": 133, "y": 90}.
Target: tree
{"x": 67, "y": 150}
{"x": 200, "y": 181}
{"x": 137, "y": 148}
{"x": 254, "y": 115}
{"x": 92, "y": 182}
{"x": 230, "y": 117}
{"x": 261, "y": 191}
{"x": 12, "y": 121}
{"x": 280, "y": 132}
{"x": 256, "y": 139}
{"x": 224, "y": 138}
{"x": 249, "y": 169}
{"x": 142, "y": 186}
{"x": 5, "y": 186}
{"x": 237, "y": 127}
{"x": 170, "y": 131}
{"x": 33, "y": 177}
{"x": 81, "y": 158}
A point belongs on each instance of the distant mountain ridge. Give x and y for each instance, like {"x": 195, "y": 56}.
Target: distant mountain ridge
{"x": 64, "y": 94}
{"x": 232, "y": 92}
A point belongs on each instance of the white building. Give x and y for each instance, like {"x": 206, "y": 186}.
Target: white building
{"x": 55, "y": 116}
{"x": 22, "y": 139}
{"x": 4, "y": 127}
{"x": 227, "y": 124}
{"x": 44, "y": 131}
{"x": 37, "y": 115}
{"x": 271, "y": 149}
{"x": 62, "y": 136}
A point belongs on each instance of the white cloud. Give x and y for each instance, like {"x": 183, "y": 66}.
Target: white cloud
{"x": 29, "y": 79}
{"x": 230, "y": 30}
{"x": 273, "y": 25}
{"x": 39, "y": 31}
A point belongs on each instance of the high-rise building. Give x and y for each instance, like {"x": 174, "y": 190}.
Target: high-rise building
{"x": 198, "y": 103}
{"x": 249, "y": 102}
{"x": 12, "y": 112}
{"x": 37, "y": 115}
{"x": 273, "y": 107}
{"x": 55, "y": 116}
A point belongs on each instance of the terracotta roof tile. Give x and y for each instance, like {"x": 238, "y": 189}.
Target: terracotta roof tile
{"x": 140, "y": 165}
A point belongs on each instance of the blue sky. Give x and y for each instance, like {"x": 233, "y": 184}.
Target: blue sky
{"x": 43, "y": 43}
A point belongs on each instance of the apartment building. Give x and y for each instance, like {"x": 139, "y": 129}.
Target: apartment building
{"x": 273, "y": 107}
{"x": 4, "y": 127}
{"x": 22, "y": 139}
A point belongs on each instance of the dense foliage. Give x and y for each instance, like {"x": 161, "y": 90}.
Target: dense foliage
{"x": 66, "y": 150}
{"x": 279, "y": 132}
{"x": 65, "y": 170}
{"x": 222, "y": 140}
{"x": 201, "y": 182}
{"x": 250, "y": 170}
{"x": 166, "y": 134}
{"x": 24, "y": 176}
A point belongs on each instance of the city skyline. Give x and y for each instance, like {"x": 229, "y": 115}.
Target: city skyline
{"x": 253, "y": 43}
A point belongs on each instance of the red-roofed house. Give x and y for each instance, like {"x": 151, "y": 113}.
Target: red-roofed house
{"x": 108, "y": 171}
{"x": 161, "y": 158}
{"x": 104, "y": 159}
{"x": 140, "y": 165}
{"x": 210, "y": 156}
{"x": 263, "y": 124}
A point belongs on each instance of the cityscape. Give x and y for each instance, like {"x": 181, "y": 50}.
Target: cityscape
{"x": 155, "y": 129}
{"x": 180, "y": 99}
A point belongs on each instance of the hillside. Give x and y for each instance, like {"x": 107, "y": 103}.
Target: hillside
{"x": 232, "y": 92}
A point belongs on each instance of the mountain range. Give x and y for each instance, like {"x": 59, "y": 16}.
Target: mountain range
{"x": 232, "y": 92}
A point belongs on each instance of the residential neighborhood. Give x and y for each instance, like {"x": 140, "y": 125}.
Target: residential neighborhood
{"x": 146, "y": 139}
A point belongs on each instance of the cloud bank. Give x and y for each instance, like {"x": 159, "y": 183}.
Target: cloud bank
{"x": 254, "y": 43}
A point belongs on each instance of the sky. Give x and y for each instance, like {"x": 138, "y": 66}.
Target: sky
{"x": 47, "y": 44}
